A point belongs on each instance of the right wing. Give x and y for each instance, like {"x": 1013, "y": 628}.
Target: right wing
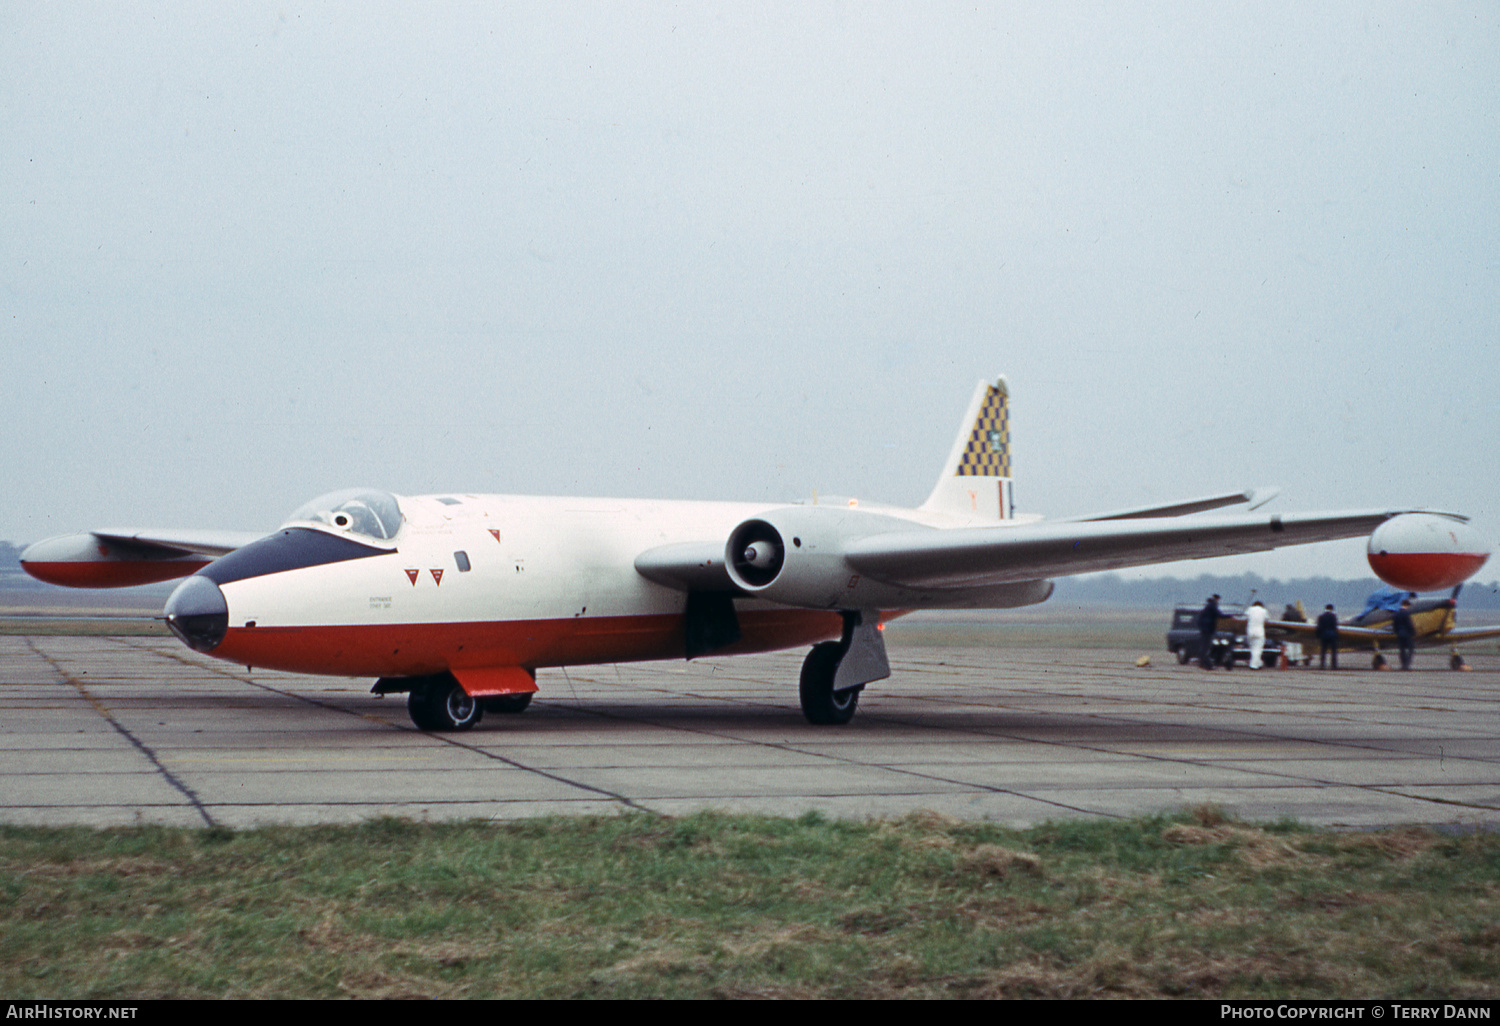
{"x": 980, "y": 556}
{"x": 124, "y": 557}
{"x": 817, "y": 556}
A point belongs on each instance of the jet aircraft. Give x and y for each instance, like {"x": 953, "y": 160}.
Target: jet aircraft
{"x": 458, "y": 599}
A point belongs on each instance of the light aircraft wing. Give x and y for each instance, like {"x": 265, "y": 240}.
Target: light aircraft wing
{"x": 1459, "y": 635}
{"x": 972, "y": 557}
{"x": 1383, "y": 635}
{"x": 1309, "y": 631}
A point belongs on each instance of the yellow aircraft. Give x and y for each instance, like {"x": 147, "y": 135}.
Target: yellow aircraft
{"x": 1435, "y": 620}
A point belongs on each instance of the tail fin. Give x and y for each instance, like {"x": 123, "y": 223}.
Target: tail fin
{"x": 975, "y": 481}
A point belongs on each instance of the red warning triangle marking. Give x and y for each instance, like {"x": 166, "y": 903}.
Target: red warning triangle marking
{"x": 437, "y": 577}
{"x": 496, "y": 533}
{"x": 413, "y": 575}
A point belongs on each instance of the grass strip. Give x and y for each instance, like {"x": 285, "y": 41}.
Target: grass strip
{"x": 712, "y": 905}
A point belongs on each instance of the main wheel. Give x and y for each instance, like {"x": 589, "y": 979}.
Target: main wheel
{"x": 506, "y": 703}
{"x": 820, "y": 703}
{"x": 442, "y": 704}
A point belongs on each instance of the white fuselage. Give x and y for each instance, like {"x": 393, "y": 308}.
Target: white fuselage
{"x": 549, "y": 581}
{"x": 500, "y": 580}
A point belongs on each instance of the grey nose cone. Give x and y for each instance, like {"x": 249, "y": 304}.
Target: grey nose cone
{"x": 198, "y": 614}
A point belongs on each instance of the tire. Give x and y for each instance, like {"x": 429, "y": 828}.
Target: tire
{"x": 820, "y": 703}
{"x": 441, "y": 704}
{"x": 506, "y": 704}
{"x": 1182, "y": 656}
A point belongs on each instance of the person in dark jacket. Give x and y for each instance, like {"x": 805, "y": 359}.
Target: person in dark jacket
{"x": 1328, "y": 637}
{"x": 1208, "y": 626}
{"x": 1406, "y": 633}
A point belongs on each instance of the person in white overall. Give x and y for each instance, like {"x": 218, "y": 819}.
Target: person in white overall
{"x": 1255, "y": 632}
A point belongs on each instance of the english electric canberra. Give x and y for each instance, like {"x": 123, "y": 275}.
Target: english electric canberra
{"x": 458, "y": 599}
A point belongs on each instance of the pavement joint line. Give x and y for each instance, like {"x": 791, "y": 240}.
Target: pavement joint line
{"x": 1383, "y": 746}
{"x": 1201, "y": 764}
{"x": 140, "y": 745}
{"x": 1212, "y": 764}
{"x": 444, "y": 738}
{"x": 582, "y": 707}
{"x": 793, "y": 748}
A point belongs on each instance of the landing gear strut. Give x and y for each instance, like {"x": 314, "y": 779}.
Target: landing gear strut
{"x": 835, "y": 672}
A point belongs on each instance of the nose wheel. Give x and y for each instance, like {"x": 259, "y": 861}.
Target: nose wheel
{"x": 440, "y": 703}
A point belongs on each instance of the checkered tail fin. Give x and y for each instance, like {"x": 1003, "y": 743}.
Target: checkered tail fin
{"x": 975, "y": 482}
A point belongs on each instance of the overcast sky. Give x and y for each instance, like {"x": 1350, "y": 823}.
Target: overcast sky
{"x": 252, "y": 253}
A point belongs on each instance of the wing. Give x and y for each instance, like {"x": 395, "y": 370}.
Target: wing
{"x": 1361, "y": 637}
{"x": 1459, "y": 635}
{"x": 124, "y": 557}
{"x": 825, "y": 557}
{"x": 1309, "y": 632}
{"x": 976, "y": 557}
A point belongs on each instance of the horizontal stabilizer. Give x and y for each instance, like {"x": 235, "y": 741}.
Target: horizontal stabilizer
{"x": 1256, "y": 497}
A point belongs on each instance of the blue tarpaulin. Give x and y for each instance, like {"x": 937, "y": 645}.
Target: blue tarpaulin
{"x": 1386, "y": 598}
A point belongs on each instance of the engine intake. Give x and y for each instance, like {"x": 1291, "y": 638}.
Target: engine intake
{"x": 795, "y": 555}
{"x": 755, "y": 554}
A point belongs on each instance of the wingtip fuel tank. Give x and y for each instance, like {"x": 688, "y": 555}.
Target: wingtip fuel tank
{"x": 1426, "y": 551}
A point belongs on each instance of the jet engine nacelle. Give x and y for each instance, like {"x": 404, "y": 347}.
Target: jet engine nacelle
{"x": 1426, "y": 552}
{"x": 795, "y": 555}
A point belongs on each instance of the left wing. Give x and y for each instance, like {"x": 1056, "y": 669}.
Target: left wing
{"x": 1459, "y": 635}
{"x": 124, "y": 557}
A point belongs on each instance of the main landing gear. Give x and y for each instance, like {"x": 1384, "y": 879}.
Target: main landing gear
{"x": 835, "y": 672}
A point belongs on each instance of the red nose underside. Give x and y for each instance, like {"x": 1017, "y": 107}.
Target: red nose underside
{"x": 1426, "y": 571}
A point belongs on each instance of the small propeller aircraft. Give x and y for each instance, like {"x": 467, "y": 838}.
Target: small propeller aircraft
{"x": 457, "y": 599}
{"x": 1435, "y": 620}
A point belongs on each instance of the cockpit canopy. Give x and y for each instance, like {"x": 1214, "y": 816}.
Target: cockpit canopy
{"x": 361, "y": 511}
